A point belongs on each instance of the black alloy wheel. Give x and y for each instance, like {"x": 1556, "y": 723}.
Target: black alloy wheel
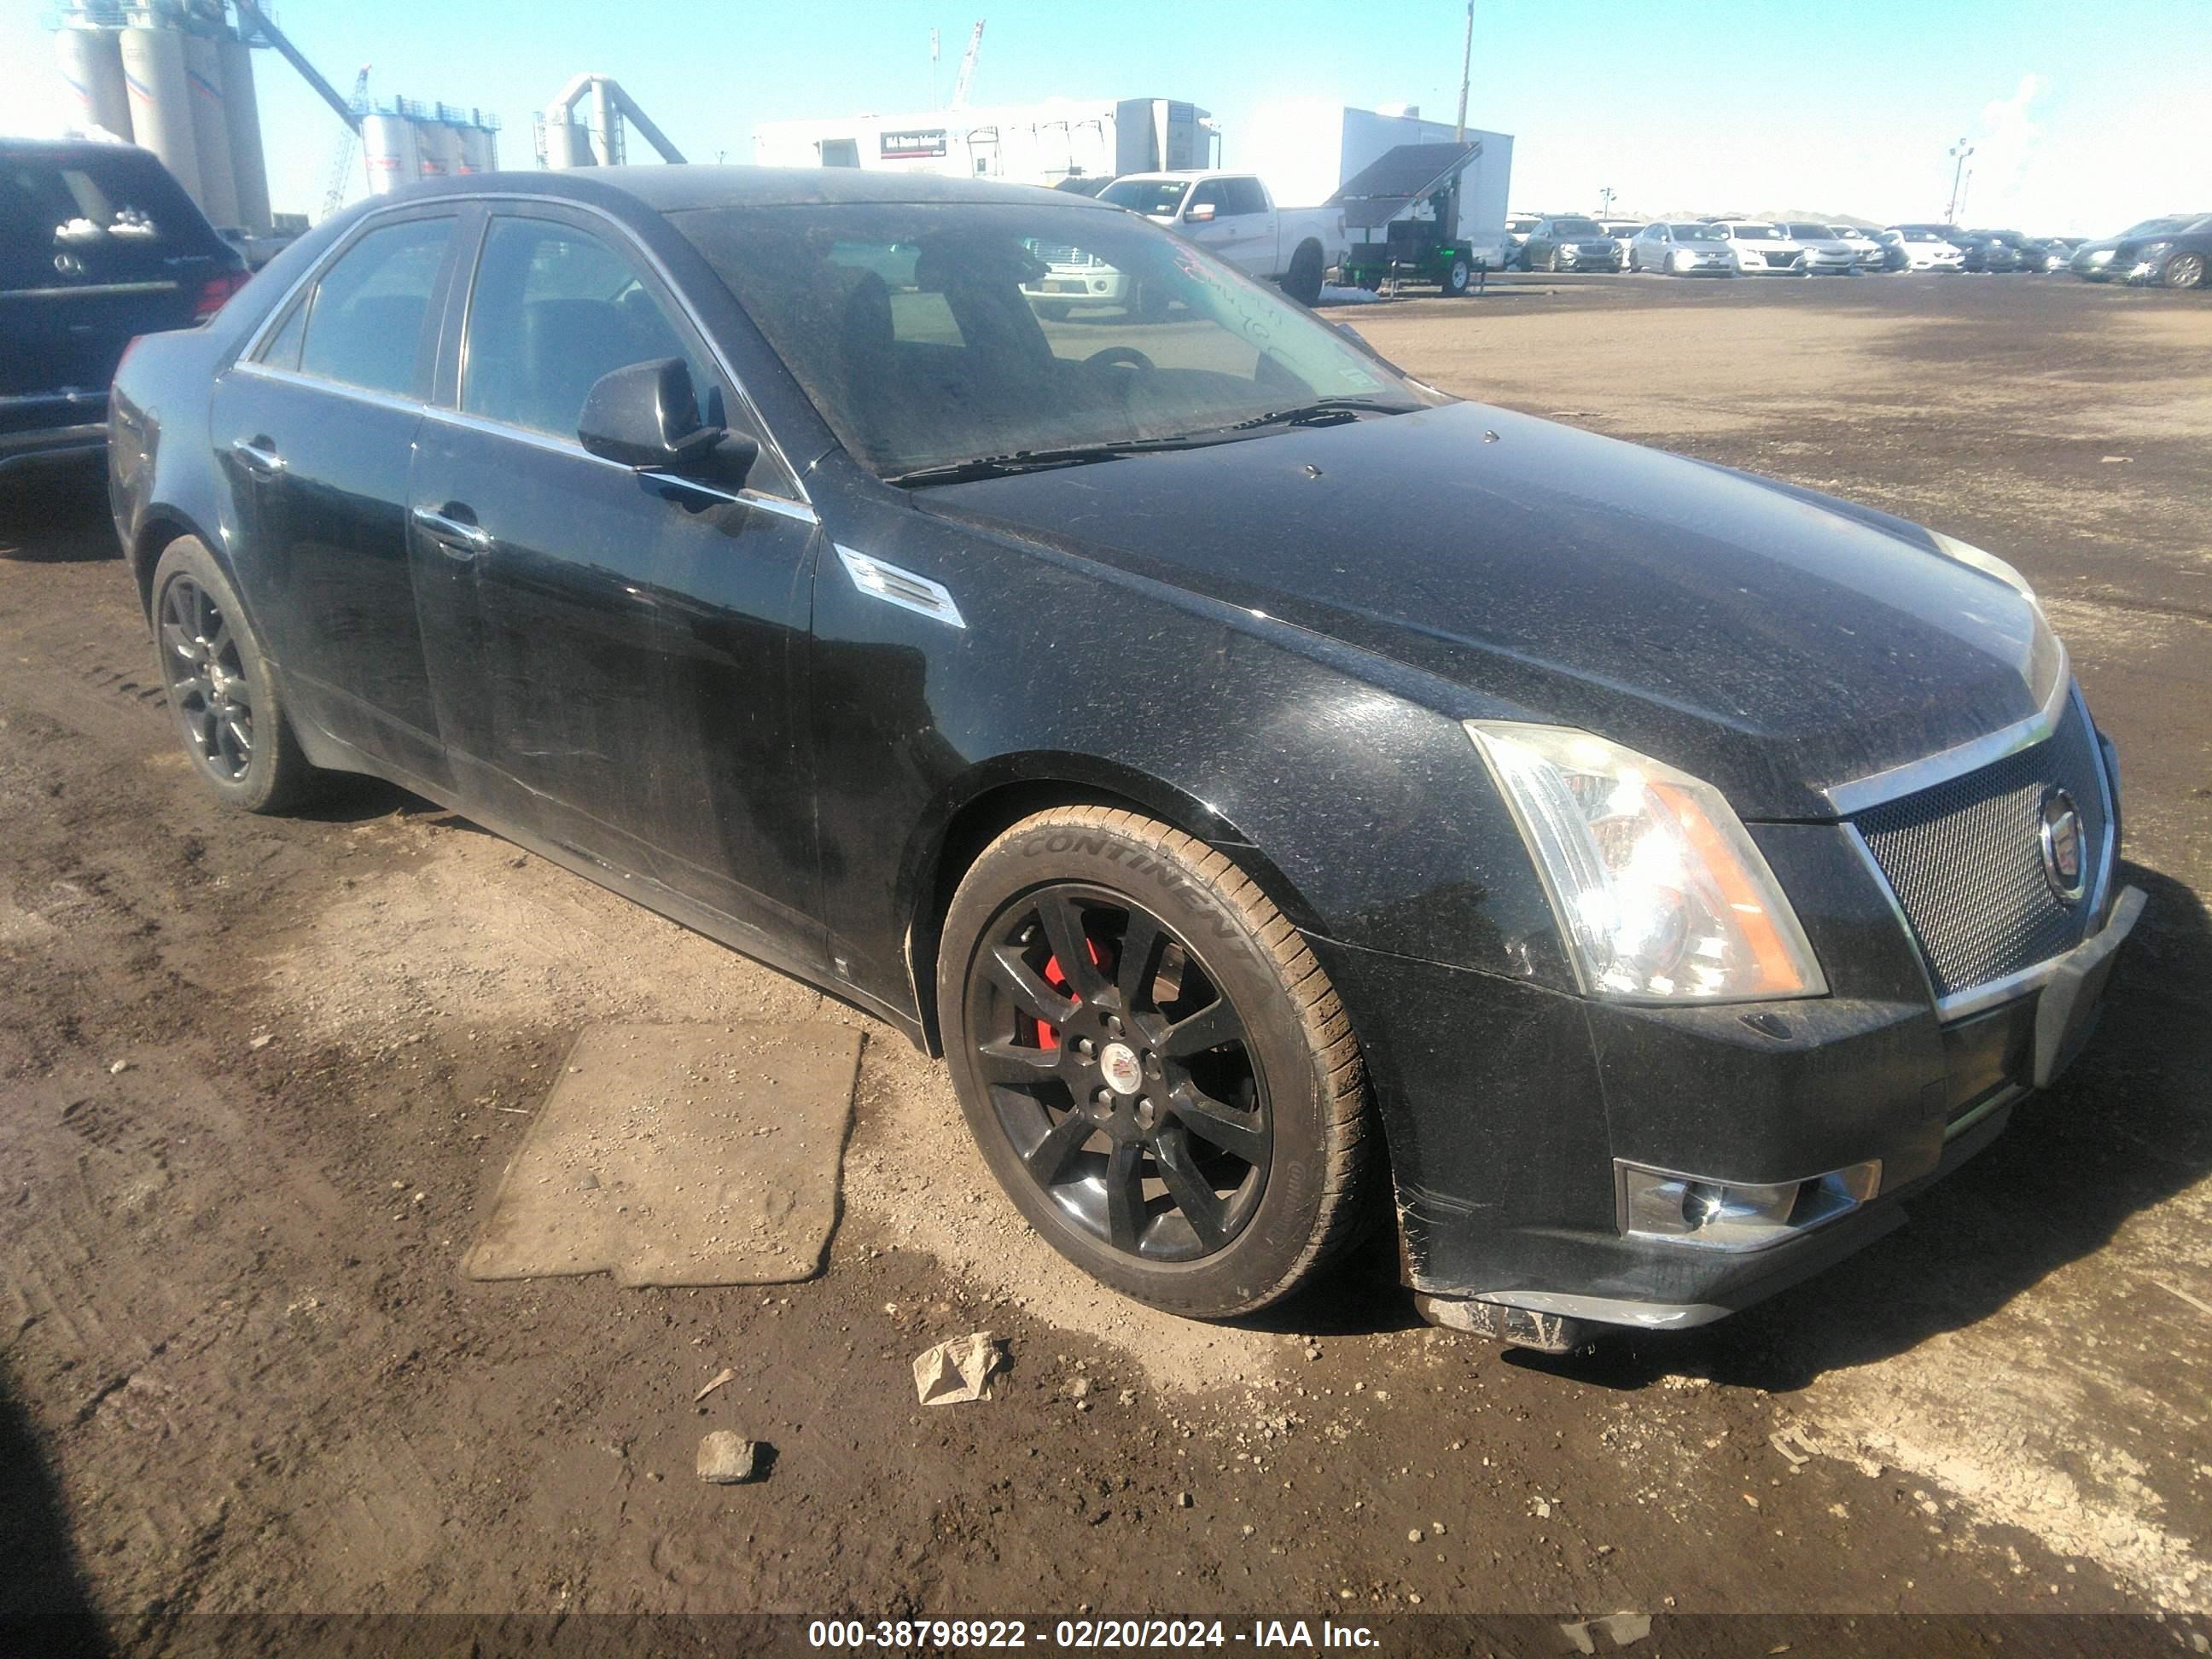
{"x": 1155, "y": 1066}
{"x": 219, "y": 688}
{"x": 206, "y": 679}
{"x": 1120, "y": 1072}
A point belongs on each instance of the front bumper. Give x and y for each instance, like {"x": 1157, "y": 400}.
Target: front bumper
{"x": 1510, "y": 1111}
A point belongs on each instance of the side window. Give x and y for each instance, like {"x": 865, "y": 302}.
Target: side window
{"x": 554, "y": 309}
{"x": 1209, "y": 193}
{"x": 282, "y": 349}
{"x": 364, "y": 325}
{"x": 1244, "y": 196}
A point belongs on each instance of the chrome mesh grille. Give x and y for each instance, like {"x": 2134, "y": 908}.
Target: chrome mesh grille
{"x": 1966, "y": 859}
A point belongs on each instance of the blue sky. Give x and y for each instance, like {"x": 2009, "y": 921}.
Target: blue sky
{"x": 1727, "y": 104}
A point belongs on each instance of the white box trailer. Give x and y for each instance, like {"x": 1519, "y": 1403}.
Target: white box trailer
{"x": 1039, "y": 143}
{"x": 1308, "y": 148}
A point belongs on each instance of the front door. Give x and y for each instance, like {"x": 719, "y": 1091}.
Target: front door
{"x": 615, "y": 656}
{"x": 315, "y": 430}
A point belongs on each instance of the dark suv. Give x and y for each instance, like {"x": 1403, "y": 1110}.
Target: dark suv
{"x": 98, "y": 245}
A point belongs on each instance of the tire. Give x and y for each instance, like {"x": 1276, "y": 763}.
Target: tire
{"x": 2183, "y": 270}
{"x": 1242, "y": 1167}
{"x": 1458, "y": 276}
{"x": 1302, "y": 282}
{"x": 1054, "y": 310}
{"x": 221, "y": 693}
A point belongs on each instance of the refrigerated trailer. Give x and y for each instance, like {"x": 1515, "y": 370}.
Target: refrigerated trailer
{"x": 1040, "y": 144}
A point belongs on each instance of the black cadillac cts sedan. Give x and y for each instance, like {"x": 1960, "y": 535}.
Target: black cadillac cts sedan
{"x": 1290, "y": 799}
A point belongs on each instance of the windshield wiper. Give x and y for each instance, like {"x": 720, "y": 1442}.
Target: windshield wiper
{"x": 1036, "y": 460}
{"x": 1326, "y": 411}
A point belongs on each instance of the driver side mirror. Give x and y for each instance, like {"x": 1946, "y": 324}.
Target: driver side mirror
{"x": 645, "y": 417}
{"x": 1199, "y": 212}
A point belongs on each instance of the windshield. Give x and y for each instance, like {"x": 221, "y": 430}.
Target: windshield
{"x": 1755, "y": 232}
{"x": 1919, "y": 235}
{"x": 1623, "y": 228}
{"x": 926, "y": 334}
{"x": 1697, "y": 233}
{"x": 1522, "y": 226}
{"x": 1159, "y": 198}
{"x": 1577, "y": 228}
{"x": 1812, "y": 232}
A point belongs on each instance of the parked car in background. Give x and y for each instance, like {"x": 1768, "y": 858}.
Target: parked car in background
{"x": 1682, "y": 248}
{"x": 98, "y": 245}
{"x": 1072, "y": 278}
{"x": 1517, "y": 227}
{"x": 1290, "y": 798}
{"x": 2056, "y": 251}
{"x": 1926, "y": 248}
{"x": 1570, "y": 242}
{"x": 2012, "y": 251}
{"x": 2091, "y": 260}
{"x": 1866, "y": 251}
{"x": 1826, "y": 254}
{"x": 1623, "y": 232}
{"x": 1232, "y": 217}
{"x": 2169, "y": 258}
{"x": 1761, "y": 249}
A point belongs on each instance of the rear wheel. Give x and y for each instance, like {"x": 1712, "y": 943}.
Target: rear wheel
{"x": 221, "y": 692}
{"x": 2183, "y": 270}
{"x": 1303, "y": 281}
{"x": 1156, "y": 1068}
{"x": 1458, "y": 274}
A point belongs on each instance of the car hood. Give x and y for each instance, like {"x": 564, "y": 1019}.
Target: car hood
{"x": 1774, "y": 642}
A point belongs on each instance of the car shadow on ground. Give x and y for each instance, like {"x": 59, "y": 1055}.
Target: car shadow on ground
{"x": 45, "y": 1607}
{"x": 2128, "y": 1127}
{"x": 57, "y": 515}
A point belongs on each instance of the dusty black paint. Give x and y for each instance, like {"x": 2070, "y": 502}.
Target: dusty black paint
{"x": 1271, "y": 643}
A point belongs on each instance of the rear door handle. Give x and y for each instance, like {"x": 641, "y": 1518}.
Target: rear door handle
{"x": 455, "y": 537}
{"x": 259, "y": 455}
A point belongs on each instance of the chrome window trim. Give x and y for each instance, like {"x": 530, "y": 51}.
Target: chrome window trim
{"x": 1979, "y": 998}
{"x": 777, "y": 504}
{"x": 1912, "y": 776}
{"x": 358, "y": 393}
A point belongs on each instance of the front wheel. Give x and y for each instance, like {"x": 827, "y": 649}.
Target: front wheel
{"x": 221, "y": 693}
{"x": 1457, "y": 275}
{"x": 1155, "y": 1067}
{"x": 2183, "y": 270}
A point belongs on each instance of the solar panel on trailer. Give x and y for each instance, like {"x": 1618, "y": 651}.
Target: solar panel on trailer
{"x": 1406, "y": 173}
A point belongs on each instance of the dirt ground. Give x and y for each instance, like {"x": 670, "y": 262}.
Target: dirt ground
{"x": 261, "y": 1077}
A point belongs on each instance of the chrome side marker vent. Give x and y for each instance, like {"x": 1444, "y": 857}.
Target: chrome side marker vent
{"x": 900, "y": 588}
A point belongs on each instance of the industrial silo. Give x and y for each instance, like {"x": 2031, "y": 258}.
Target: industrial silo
{"x": 387, "y": 139}
{"x": 218, "y": 191}
{"x": 160, "y": 107}
{"x": 92, "y": 68}
{"x": 479, "y": 146}
{"x": 249, "y": 169}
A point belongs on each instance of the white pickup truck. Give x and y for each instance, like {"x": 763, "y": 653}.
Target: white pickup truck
{"x": 1232, "y": 217}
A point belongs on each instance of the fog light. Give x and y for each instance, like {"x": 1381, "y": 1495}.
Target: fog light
{"x": 1737, "y": 1215}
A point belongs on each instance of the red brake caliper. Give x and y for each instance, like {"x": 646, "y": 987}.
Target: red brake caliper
{"x": 1047, "y": 1037}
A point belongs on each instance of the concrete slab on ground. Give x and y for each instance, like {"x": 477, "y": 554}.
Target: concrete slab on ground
{"x": 680, "y": 1155}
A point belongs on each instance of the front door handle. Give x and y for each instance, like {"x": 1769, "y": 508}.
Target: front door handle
{"x": 457, "y": 537}
{"x": 259, "y": 455}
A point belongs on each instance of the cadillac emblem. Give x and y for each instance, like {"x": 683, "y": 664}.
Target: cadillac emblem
{"x": 2062, "y": 845}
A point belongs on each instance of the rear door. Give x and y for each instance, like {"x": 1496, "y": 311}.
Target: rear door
{"x": 314, "y": 428}
{"x": 96, "y": 247}
{"x": 614, "y": 655}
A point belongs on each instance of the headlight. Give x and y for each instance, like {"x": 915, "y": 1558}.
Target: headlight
{"x": 1660, "y": 893}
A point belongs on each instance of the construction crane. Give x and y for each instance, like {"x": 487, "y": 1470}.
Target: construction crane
{"x": 334, "y": 191}
{"x": 967, "y": 75}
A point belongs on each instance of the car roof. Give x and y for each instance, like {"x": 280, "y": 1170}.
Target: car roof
{"x": 63, "y": 150}
{"x": 685, "y": 186}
